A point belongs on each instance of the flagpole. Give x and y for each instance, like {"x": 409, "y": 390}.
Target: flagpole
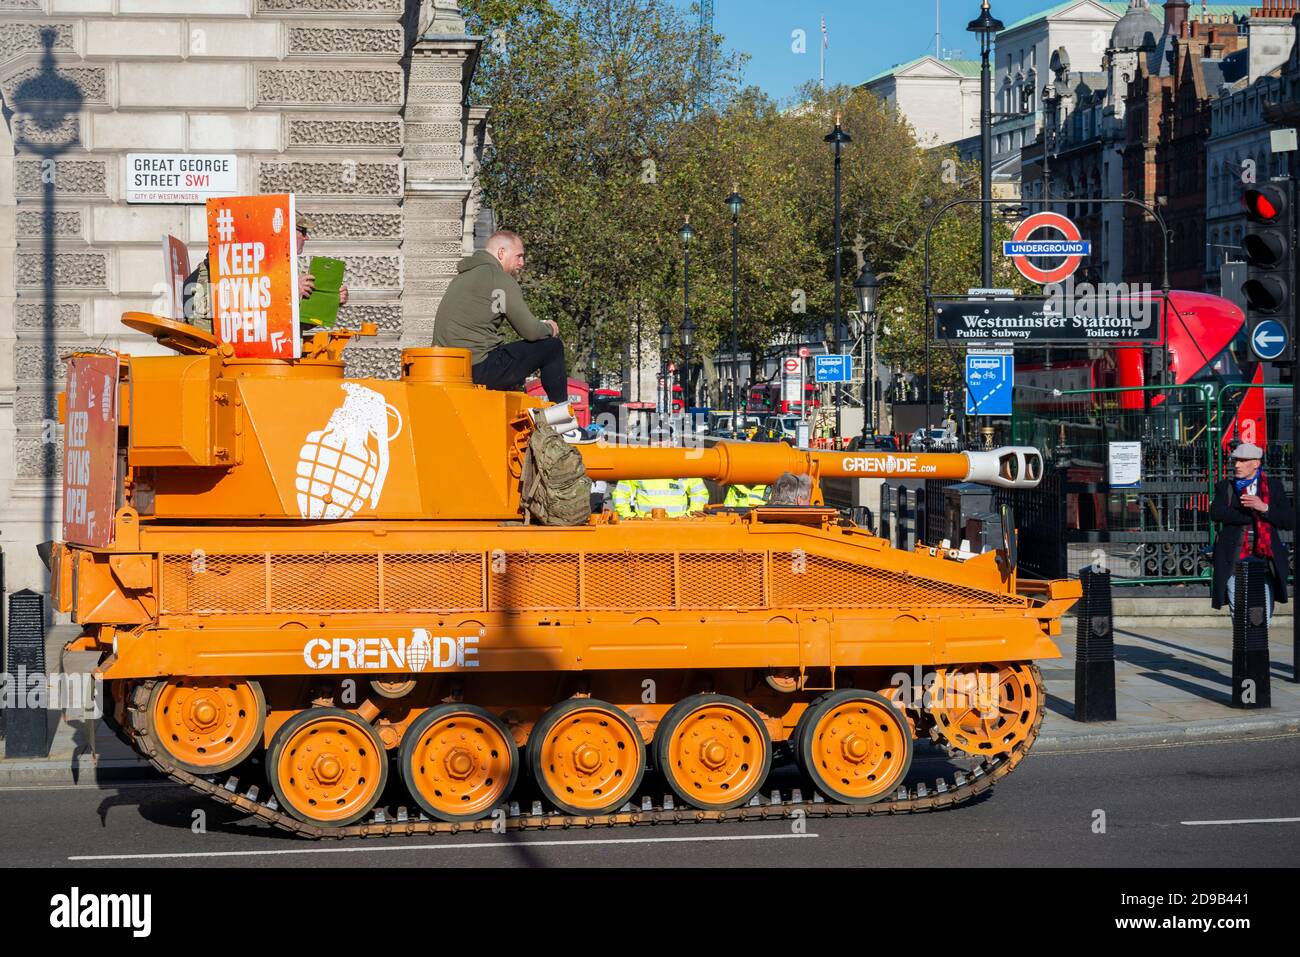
{"x": 822, "y": 53}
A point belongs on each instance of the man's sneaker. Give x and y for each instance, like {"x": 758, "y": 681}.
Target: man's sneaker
{"x": 580, "y": 436}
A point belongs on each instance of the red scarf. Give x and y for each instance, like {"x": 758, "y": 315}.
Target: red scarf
{"x": 1257, "y": 542}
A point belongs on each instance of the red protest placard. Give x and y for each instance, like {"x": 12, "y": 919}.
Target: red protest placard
{"x": 176, "y": 269}
{"x": 253, "y": 268}
{"x": 90, "y": 451}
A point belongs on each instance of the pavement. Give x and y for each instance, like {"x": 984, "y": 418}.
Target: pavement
{"x": 1172, "y": 685}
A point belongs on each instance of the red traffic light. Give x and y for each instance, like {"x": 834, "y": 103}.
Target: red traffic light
{"x": 1264, "y": 204}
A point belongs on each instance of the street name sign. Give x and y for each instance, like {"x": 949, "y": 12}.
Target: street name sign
{"x": 180, "y": 177}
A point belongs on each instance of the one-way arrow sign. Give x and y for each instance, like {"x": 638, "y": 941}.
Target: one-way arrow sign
{"x": 1269, "y": 340}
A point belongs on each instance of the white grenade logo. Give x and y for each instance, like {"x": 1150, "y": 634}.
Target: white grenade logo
{"x": 345, "y": 464}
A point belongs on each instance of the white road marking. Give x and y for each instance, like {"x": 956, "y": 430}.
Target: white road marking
{"x": 95, "y": 786}
{"x": 1248, "y": 820}
{"x": 497, "y": 845}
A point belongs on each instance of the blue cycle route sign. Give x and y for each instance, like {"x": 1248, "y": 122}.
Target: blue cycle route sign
{"x": 833, "y": 368}
{"x": 989, "y": 379}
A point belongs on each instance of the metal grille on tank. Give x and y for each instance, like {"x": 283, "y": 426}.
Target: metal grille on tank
{"x": 802, "y": 578}
{"x": 343, "y": 583}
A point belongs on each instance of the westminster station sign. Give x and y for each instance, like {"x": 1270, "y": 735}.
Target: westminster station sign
{"x": 1041, "y": 321}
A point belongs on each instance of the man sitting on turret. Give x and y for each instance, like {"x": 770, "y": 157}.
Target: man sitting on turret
{"x": 484, "y": 296}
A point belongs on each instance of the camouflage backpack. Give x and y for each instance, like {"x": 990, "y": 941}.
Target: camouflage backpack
{"x": 556, "y": 490}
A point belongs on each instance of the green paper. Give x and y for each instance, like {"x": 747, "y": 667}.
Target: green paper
{"x": 321, "y": 308}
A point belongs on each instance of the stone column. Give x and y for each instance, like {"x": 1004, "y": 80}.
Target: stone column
{"x": 444, "y": 142}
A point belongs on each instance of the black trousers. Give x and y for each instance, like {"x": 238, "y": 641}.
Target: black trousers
{"x": 506, "y": 367}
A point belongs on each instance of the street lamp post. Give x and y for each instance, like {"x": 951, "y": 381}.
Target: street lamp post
{"x": 688, "y": 342}
{"x": 687, "y": 234}
{"x": 867, "y": 286}
{"x": 837, "y": 138}
{"x": 985, "y": 26}
{"x": 734, "y": 203}
{"x": 665, "y": 343}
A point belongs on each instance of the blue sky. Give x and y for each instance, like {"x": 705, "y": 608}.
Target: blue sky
{"x": 866, "y": 36}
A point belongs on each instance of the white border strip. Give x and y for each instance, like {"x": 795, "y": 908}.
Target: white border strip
{"x": 479, "y": 845}
{"x": 1257, "y": 820}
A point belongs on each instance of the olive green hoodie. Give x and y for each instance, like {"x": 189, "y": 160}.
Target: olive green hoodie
{"x": 477, "y": 305}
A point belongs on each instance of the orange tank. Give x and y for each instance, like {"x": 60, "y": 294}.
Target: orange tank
{"x": 310, "y": 578}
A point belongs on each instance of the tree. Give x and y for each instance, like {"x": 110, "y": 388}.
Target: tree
{"x": 598, "y": 153}
{"x": 591, "y": 119}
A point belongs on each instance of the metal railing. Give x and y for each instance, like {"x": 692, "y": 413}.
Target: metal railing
{"x": 1159, "y": 530}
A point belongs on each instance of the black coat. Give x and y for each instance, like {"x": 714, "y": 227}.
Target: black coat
{"x": 1234, "y": 519}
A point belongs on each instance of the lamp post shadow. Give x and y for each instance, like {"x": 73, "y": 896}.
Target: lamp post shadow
{"x": 41, "y": 106}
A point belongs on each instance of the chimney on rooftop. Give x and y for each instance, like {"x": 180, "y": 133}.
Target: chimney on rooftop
{"x": 1175, "y": 16}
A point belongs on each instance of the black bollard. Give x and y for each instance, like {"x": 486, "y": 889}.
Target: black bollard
{"x": 26, "y": 728}
{"x": 1094, "y": 650}
{"x": 1250, "y": 679}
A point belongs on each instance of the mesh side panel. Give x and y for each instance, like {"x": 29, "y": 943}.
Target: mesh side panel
{"x": 324, "y": 581}
{"x": 532, "y": 581}
{"x": 721, "y": 579}
{"x": 804, "y": 579}
{"x": 213, "y": 583}
{"x": 433, "y": 581}
{"x": 620, "y": 580}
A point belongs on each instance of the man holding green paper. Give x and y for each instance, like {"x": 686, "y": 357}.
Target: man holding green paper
{"x": 475, "y": 309}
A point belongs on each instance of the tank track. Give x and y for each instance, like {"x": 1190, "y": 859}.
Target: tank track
{"x": 384, "y": 822}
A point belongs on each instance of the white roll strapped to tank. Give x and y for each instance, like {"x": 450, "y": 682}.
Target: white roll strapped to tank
{"x": 1016, "y": 466}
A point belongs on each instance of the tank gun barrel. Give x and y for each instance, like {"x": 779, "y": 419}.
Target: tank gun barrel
{"x": 730, "y": 462}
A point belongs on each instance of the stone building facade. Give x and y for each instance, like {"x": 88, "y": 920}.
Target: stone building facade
{"x": 939, "y": 99}
{"x": 359, "y": 107}
{"x": 1164, "y": 158}
{"x": 1240, "y": 127}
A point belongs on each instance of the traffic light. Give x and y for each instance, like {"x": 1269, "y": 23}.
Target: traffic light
{"x": 1270, "y": 252}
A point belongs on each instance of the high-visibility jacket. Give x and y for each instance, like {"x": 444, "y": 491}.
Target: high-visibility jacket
{"x": 675, "y": 496}
{"x": 745, "y": 496}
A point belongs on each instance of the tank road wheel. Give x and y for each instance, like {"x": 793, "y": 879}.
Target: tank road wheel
{"x": 985, "y": 710}
{"x": 854, "y": 746}
{"x": 714, "y": 751}
{"x": 459, "y": 762}
{"x": 206, "y": 725}
{"x": 587, "y": 756}
{"x": 327, "y": 766}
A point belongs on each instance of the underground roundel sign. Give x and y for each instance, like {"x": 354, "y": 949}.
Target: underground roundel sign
{"x": 1069, "y": 247}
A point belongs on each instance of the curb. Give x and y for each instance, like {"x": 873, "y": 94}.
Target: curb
{"x": 1107, "y": 735}
{"x": 73, "y": 771}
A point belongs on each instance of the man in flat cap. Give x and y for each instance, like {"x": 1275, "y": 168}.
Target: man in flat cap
{"x": 198, "y": 285}
{"x": 1251, "y": 509}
